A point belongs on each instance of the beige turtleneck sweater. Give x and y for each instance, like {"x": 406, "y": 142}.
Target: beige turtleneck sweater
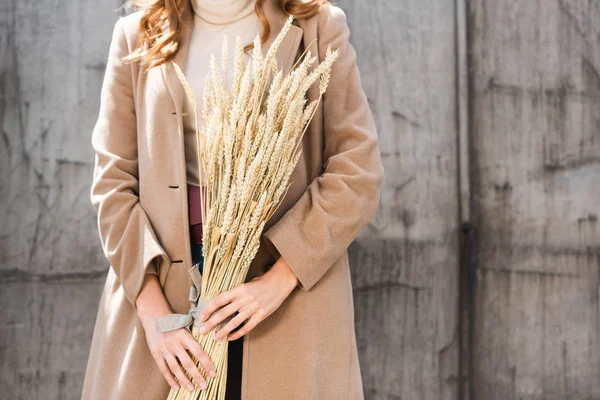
{"x": 213, "y": 19}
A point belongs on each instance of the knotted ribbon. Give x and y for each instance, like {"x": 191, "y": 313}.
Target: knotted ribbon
{"x": 171, "y": 322}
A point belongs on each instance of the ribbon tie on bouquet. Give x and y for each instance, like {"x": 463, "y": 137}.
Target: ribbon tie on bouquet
{"x": 171, "y": 322}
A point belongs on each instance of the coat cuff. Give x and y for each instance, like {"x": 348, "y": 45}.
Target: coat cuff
{"x": 277, "y": 246}
{"x": 151, "y": 253}
{"x": 152, "y": 267}
{"x": 286, "y": 239}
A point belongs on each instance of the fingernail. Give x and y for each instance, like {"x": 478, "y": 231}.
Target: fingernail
{"x": 175, "y": 387}
{"x": 203, "y": 329}
{"x": 213, "y": 373}
{"x": 203, "y": 385}
{"x": 216, "y": 337}
{"x": 190, "y": 388}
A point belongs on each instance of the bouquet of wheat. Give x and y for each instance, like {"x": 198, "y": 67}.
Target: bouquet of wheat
{"x": 252, "y": 134}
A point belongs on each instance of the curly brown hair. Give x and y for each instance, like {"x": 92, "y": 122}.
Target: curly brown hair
{"x": 157, "y": 44}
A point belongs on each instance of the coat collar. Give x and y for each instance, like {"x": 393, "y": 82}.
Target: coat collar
{"x": 285, "y": 54}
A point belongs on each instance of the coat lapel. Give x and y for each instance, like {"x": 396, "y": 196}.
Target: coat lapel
{"x": 285, "y": 54}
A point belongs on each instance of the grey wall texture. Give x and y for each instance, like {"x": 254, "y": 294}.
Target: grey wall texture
{"x": 479, "y": 277}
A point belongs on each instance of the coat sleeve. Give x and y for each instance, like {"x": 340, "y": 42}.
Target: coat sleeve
{"x": 152, "y": 268}
{"x": 320, "y": 226}
{"x": 128, "y": 240}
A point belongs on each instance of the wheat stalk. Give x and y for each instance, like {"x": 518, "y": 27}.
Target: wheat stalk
{"x": 252, "y": 134}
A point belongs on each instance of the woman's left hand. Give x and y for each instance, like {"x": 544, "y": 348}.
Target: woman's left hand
{"x": 254, "y": 301}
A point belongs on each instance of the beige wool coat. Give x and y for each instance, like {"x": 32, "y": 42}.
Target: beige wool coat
{"x": 307, "y": 348}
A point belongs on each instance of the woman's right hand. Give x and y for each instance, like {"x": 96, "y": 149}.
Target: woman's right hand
{"x": 169, "y": 347}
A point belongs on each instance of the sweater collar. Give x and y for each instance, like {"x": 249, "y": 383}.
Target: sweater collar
{"x": 221, "y": 12}
{"x": 285, "y": 55}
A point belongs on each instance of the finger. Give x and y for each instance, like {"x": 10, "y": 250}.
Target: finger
{"x": 247, "y": 327}
{"x": 176, "y": 369}
{"x": 243, "y": 315}
{"x": 220, "y": 315}
{"x": 218, "y": 302}
{"x": 191, "y": 368}
{"x": 166, "y": 372}
{"x": 197, "y": 351}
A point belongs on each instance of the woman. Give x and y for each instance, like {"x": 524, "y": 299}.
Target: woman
{"x": 295, "y": 309}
